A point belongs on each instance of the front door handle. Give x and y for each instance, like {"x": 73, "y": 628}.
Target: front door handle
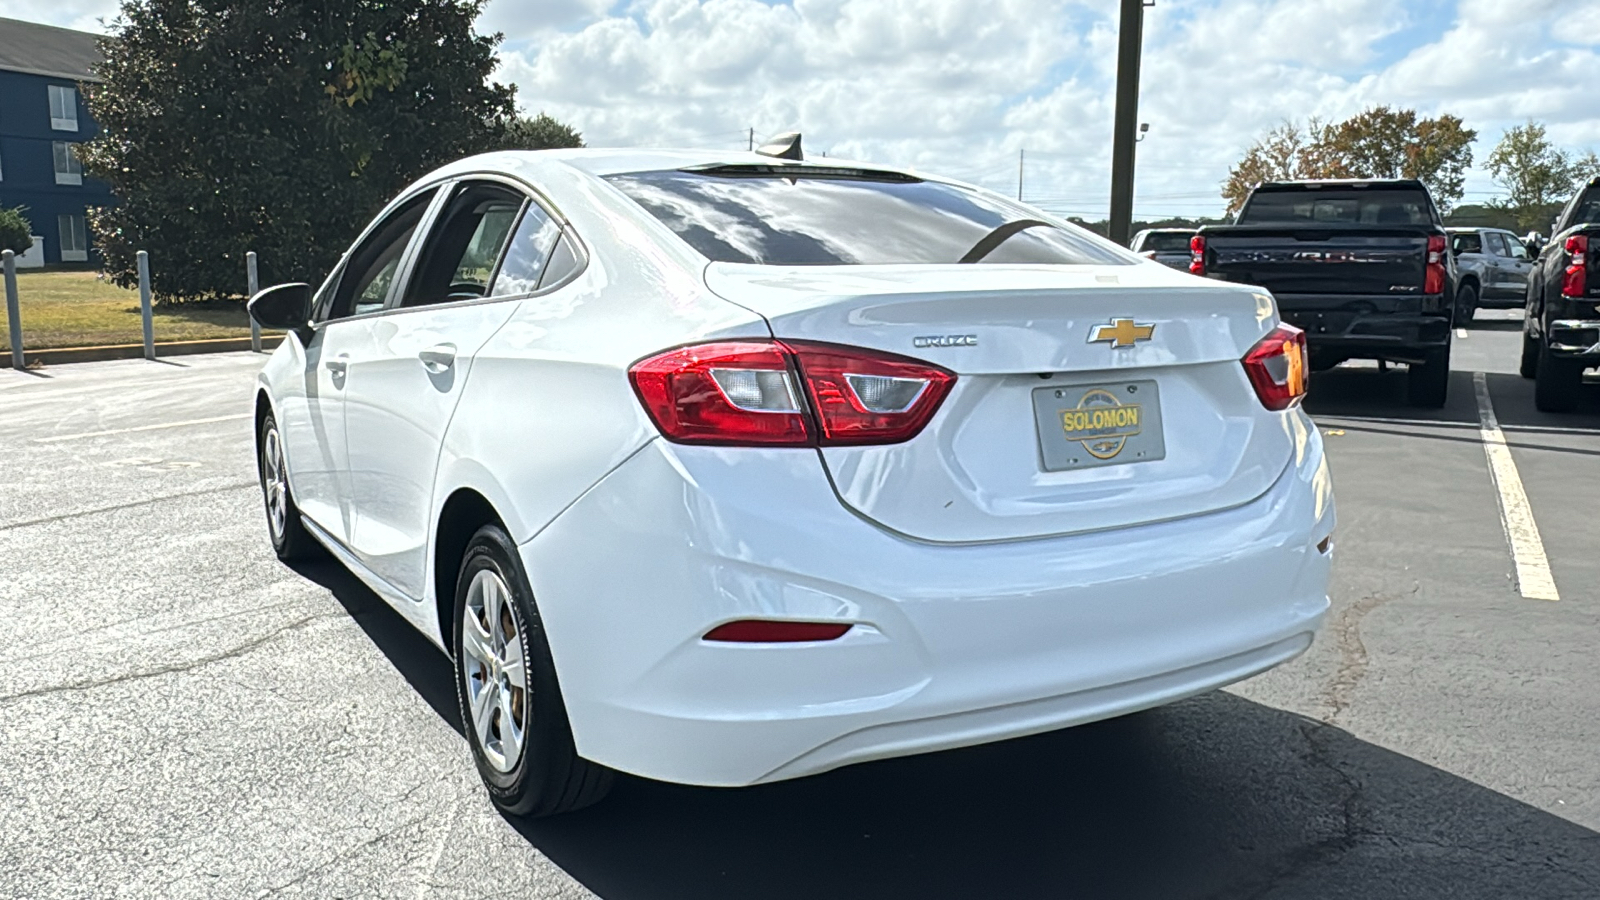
{"x": 438, "y": 357}
{"x": 339, "y": 364}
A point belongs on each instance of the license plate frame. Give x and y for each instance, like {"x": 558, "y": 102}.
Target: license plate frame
{"x": 1100, "y": 423}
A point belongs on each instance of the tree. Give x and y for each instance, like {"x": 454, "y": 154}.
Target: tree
{"x": 1532, "y": 170}
{"x": 279, "y": 127}
{"x": 1379, "y": 143}
{"x": 16, "y": 234}
{"x": 540, "y": 133}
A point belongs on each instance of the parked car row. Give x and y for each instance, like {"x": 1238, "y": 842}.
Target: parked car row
{"x": 1369, "y": 271}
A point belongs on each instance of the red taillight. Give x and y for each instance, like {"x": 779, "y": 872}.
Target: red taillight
{"x": 1576, "y": 281}
{"x": 1433, "y": 279}
{"x": 769, "y": 631}
{"x": 1197, "y": 254}
{"x": 1276, "y": 366}
{"x": 787, "y": 393}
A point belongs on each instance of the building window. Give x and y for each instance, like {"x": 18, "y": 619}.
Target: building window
{"x": 74, "y": 239}
{"x": 68, "y": 169}
{"x": 63, "y": 108}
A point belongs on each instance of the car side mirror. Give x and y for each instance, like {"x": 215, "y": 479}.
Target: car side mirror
{"x": 1533, "y": 252}
{"x": 285, "y": 307}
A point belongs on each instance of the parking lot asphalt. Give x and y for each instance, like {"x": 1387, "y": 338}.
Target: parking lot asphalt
{"x": 183, "y": 716}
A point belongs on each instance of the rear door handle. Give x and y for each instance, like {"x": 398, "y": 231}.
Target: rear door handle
{"x": 338, "y": 365}
{"x": 438, "y": 357}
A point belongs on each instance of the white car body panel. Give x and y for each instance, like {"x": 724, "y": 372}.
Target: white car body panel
{"x": 988, "y": 598}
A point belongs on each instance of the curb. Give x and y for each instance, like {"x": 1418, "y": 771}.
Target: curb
{"x": 58, "y": 355}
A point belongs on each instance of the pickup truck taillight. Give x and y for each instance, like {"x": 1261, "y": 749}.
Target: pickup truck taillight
{"x": 1276, "y": 366}
{"x": 1433, "y": 279}
{"x": 1576, "y": 282}
{"x": 1197, "y": 255}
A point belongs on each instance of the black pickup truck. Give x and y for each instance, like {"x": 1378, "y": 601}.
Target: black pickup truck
{"x": 1561, "y": 322}
{"x": 1362, "y": 267}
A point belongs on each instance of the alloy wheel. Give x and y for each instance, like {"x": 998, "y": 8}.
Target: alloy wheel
{"x": 275, "y": 482}
{"x": 495, "y": 673}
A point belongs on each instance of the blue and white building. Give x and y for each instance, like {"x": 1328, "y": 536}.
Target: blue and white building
{"x": 43, "y": 119}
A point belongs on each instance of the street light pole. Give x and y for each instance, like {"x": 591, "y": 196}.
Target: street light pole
{"x": 1130, "y": 35}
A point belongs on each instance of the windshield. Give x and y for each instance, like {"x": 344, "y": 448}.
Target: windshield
{"x": 1168, "y": 241}
{"x": 819, "y": 220}
{"x": 1335, "y": 206}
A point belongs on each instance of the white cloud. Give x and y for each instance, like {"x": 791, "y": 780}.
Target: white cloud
{"x": 959, "y": 87}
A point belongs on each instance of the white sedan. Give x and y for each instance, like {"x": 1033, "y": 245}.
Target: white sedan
{"x": 721, "y": 469}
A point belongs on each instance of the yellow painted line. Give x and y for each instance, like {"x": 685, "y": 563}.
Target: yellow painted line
{"x": 1534, "y": 580}
{"x": 92, "y": 434}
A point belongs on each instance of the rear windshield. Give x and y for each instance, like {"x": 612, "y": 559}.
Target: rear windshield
{"x": 819, "y": 220}
{"x": 1167, "y": 242}
{"x": 1588, "y": 210}
{"x": 1334, "y": 206}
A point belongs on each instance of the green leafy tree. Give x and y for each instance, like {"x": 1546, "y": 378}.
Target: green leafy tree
{"x": 540, "y": 133}
{"x": 1381, "y": 142}
{"x": 279, "y": 127}
{"x": 1536, "y": 175}
{"x": 16, "y": 234}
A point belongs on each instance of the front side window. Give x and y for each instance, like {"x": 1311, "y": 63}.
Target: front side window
{"x": 798, "y": 216}
{"x": 371, "y": 267}
{"x": 459, "y": 256}
{"x": 527, "y": 259}
{"x": 63, "y": 108}
{"x": 74, "y": 238}
{"x": 68, "y": 169}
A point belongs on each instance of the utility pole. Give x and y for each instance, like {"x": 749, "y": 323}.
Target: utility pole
{"x": 1130, "y": 36}
{"x": 1019, "y": 175}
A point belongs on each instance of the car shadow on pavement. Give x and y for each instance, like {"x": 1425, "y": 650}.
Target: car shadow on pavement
{"x": 1366, "y": 391}
{"x": 1214, "y": 797}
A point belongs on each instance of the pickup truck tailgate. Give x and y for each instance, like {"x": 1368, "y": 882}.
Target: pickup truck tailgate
{"x": 1355, "y": 259}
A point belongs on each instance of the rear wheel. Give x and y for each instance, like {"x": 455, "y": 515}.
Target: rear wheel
{"x": 511, "y": 703}
{"x": 290, "y": 540}
{"x": 1556, "y": 383}
{"x": 1428, "y": 382}
{"x": 1466, "y": 305}
{"x": 1529, "y": 366}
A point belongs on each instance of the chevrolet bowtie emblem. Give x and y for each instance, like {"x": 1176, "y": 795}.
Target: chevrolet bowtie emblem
{"x": 1121, "y": 333}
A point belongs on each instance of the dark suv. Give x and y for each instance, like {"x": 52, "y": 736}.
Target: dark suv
{"x": 1561, "y": 322}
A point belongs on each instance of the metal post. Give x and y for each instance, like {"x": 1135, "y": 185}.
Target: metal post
{"x": 13, "y": 308}
{"x": 254, "y": 285}
{"x": 1129, "y": 38}
{"x": 144, "y": 305}
{"x": 1019, "y": 175}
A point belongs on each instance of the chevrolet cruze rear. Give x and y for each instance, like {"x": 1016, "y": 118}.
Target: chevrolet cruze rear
{"x": 723, "y": 469}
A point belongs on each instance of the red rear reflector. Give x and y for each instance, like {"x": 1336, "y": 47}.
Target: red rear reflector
{"x": 1276, "y": 366}
{"x": 1197, "y": 254}
{"x": 767, "y": 631}
{"x": 1575, "y": 283}
{"x": 1433, "y": 277}
{"x": 788, "y": 393}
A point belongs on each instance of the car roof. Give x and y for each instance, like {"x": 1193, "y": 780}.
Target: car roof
{"x": 602, "y": 161}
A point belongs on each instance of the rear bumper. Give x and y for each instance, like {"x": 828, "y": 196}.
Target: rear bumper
{"x": 952, "y": 644}
{"x": 1357, "y": 327}
{"x": 1575, "y": 338}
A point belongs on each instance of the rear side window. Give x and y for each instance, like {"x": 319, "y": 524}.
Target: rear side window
{"x": 1588, "y": 210}
{"x": 1337, "y": 206}
{"x": 460, "y": 252}
{"x": 1497, "y": 243}
{"x": 819, "y": 219}
{"x": 529, "y": 253}
{"x": 1467, "y": 243}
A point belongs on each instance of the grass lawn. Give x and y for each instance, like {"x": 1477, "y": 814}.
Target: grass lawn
{"x": 72, "y": 309}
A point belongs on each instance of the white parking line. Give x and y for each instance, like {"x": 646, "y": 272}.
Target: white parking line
{"x": 90, "y": 434}
{"x": 1461, "y": 333}
{"x": 1527, "y": 550}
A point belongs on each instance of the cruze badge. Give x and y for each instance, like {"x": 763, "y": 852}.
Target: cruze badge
{"x": 945, "y": 340}
{"x": 1121, "y": 333}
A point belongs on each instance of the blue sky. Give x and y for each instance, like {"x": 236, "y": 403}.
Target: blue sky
{"x": 961, "y": 87}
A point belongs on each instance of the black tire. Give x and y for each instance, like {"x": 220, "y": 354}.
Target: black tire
{"x": 1427, "y": 383}
{"x": 1466, "y": 305}
{"x": 548, "y": 776}
{"x": 1529, "y": 365}
{"x": 1556, "y": 383}
{"x": 288, "y": 534}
